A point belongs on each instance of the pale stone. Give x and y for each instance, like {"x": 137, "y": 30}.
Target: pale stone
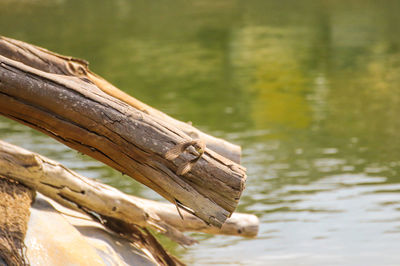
{"x": 58, "y": 239}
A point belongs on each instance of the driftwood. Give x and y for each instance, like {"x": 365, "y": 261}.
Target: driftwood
{"x": 50, "y": 62}
{"x": 15, "y": 201}
{"x": 76, "y": 192}
{"x": 77, "y": 113}
{"x": 83, "y": 194}
{"x": 239, "y": 224}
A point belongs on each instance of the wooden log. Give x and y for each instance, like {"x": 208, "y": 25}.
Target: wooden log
{"x": 77, "y": 192}
{"x": 239, "y": 224}
{"x": 83, "y": 117}
{"x": 71, "y": 190}
{"x": 50, "y": 62}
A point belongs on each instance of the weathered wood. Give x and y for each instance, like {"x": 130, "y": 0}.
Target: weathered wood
{"x": 77, "y": 192}
{"x": 50, "y": 62}
{"x": 15, "y": 201}
{"x": 80, "y": 115}
{"x": 239, "y": 224}
{"x": 73, "y": 190}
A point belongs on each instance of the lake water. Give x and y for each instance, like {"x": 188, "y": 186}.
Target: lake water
{"x": 309, "y": 89}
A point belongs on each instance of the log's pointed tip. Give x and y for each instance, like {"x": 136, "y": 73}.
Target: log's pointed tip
{"x": 248, "y": 224}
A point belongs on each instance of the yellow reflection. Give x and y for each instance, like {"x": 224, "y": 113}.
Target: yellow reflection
{"x": 276, "y": 79}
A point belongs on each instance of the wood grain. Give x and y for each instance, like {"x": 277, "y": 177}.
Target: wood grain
{"x": 77, "y": 113}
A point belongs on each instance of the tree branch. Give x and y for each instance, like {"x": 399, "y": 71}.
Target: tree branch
{"x": 83, "y": 194}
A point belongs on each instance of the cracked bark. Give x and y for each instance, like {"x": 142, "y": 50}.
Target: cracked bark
{"x": 51, "y": 62}
{"x": 77, "y": 113}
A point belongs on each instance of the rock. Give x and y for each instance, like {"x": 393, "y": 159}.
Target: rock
{"x": 60, "y": 236}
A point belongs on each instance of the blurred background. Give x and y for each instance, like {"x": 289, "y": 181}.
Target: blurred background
{"x": 309, "y": 89}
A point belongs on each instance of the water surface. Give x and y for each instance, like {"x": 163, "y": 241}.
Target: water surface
{"x": 309, "y": 89}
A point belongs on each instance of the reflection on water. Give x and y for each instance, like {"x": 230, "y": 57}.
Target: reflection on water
{"x": 309, "y": 89}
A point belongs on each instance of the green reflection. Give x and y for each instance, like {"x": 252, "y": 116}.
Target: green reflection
{"x": 310, "y": 89}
